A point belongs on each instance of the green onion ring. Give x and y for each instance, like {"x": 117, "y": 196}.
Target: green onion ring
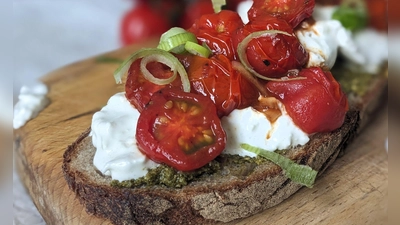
{"x": 217, "y": 5}
{"x": 172, "y": 32}
{"x": 241, "y": 49}
{"x": 196, "y": 49}
{"x": 176, "y": 65}
{"x": 176, "y": 43}
{"x": 148, "y": 76}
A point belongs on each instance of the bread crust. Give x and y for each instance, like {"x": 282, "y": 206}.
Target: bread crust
{"x": 202, "y": 202}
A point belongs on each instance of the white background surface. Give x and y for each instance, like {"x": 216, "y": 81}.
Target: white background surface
{"x": 48, "y": 35}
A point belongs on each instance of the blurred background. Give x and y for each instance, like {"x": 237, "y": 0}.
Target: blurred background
{"x": 47, "y": 34}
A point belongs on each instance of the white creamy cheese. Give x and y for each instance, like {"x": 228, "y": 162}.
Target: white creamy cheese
{"x": 323, "y": 39}
{"x": 374, "y": 46}
{"x": 323, "y": 12}
{"x": 242, "y": 9}
{"x": 252, "y": 127}
{"x": 31, "y": 100}
{"x": 113, "y": 135}
{"x": 367, "y": 48}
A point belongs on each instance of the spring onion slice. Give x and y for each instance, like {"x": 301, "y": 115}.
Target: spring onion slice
{"x": 217, "y": 5}
{"x": 197, "y": 49}
{"x": 241, "y": 49}
{"x": 176, "y": 43}
{"x": 171, "y": 32}
{"x": 301, "y": 174}
{"x": 173, "y": 63}
{"x": 148, "y": 76}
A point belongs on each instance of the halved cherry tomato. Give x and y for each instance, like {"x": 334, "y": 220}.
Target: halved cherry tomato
{"x": 293, "y": 11}
{"x": 180, "y": 129}
{"x": 316, "y": 104}
{"x": 215, "y": 30}
{"x": 215, "y": 78}
{"x": 272, "y": 56}
{"x": 139, "y": 90}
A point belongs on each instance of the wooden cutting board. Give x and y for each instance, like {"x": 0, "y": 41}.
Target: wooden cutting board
{"x": 353, "y": 190}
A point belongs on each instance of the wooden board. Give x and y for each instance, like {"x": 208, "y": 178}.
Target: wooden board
{"x": 352, "y": 191}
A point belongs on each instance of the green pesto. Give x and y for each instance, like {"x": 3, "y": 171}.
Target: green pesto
{"x": 167, "y": 176}
{"x": 353, "y": 81}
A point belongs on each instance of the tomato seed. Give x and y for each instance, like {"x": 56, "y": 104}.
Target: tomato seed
{"x": 168, "y": 105}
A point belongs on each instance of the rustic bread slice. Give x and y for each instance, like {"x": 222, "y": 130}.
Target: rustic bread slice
{"x": 210, "y": 200}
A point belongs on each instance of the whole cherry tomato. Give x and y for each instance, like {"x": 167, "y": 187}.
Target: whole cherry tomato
{"x": 141, "y": 23}
{"x": 272, "y": 55}
{"x": 293, "y": 11}
{"x": 316, "y": 104}
{"x": 180, "y": 129}
{"x": 194, "y": 11}
{"x": 377, "y": 12}
{"x": 216, "y": 30}
{"x": 215, "y": 78}
{"x": 139, "y": 90}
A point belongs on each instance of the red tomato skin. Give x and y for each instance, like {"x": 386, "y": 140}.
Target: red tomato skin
{"x": 194, "y": 11}
{"x": 316, "y": 104}
{"x": 216, "y": 30}
{"x": 141, "y": 23}
{"x": 377, "y": 12}
{"x": 138, "y": 90}
{"x": 215, "y": 78}
{"x": 297, "y": 10}
{"x": 282, "y": 52}
{"x": 167, "y": 150}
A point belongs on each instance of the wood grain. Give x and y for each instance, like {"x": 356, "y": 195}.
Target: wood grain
{"x": 352, "y": 191}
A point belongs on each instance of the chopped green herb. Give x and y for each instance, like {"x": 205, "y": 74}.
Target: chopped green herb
{"x": 301, "y": 174}
{"x": 352, "y": 14}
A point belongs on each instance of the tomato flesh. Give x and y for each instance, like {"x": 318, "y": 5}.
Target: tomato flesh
{"x": 293, "y": 11}
{"x": 215, "y": 30}
{"x": 316, "y": 104}
{"x": 272, "y": 56}
{"x": 180, "y": 129}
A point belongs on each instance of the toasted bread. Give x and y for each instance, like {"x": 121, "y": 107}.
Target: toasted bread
{"x": 212, "y": 199}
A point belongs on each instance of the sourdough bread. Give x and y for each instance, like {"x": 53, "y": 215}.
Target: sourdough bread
{"x": 201, "y": 202}
{"x": 212, "y": 200}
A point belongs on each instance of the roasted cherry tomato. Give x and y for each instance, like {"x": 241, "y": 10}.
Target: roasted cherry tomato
{"x": 194, "y": 11}
{"x": 293, "y": 11}
{"x": 216, "y": 29}
{"x": 273, "y": 55}
{"x": 139, "y": 90}
{"x": 215, "y": 78}
{"x": 180, "y": 129}
{"x": 316, "y": 104}
{"x": 141, "y": 23}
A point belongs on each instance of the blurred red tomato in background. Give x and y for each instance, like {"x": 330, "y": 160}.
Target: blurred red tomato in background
{"x": 141, "y": 23}
{"x": 151, "y": 18}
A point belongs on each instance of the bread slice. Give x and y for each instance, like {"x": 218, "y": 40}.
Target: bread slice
{"x": 212, "y": 199}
